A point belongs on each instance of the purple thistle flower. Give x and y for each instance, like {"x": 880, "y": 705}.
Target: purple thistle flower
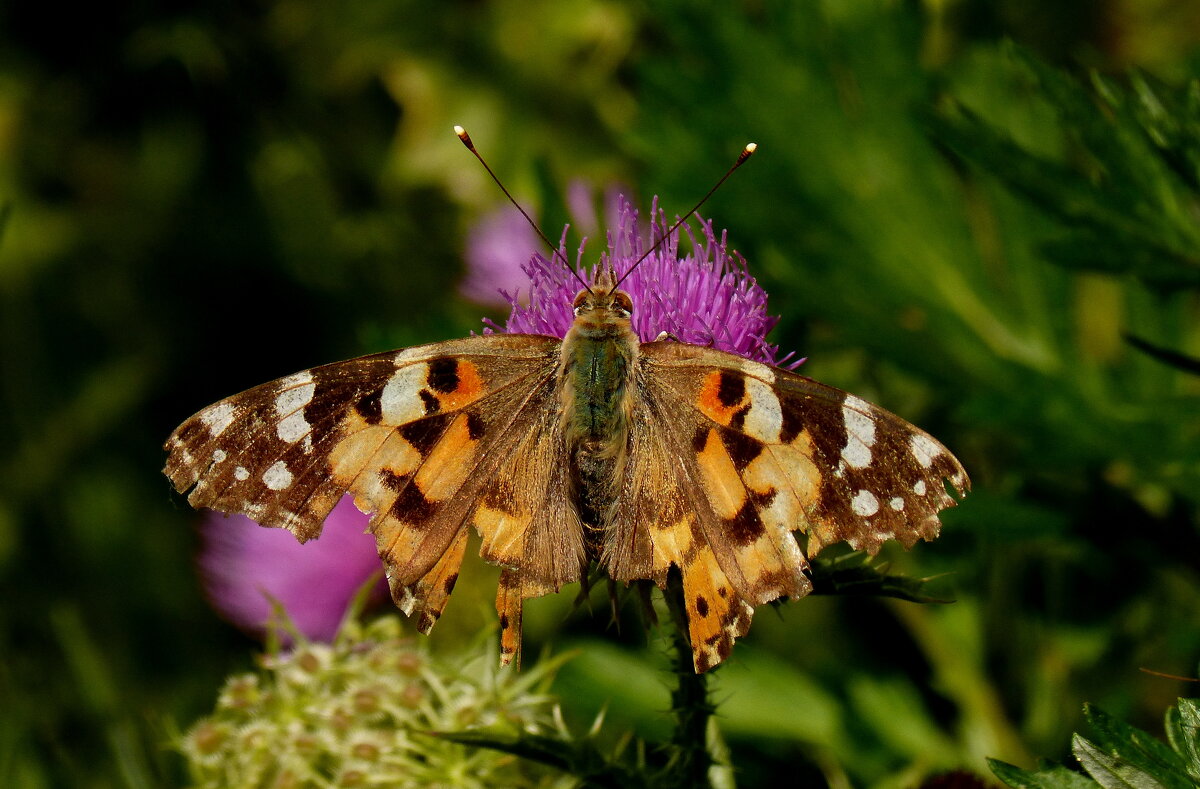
{"x": 704, "y": 297}
{"x": 243, "y": 566}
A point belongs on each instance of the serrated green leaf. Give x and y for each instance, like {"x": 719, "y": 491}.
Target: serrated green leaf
{"x": 1110, "y": 772}
{"x": 1183, "y": 732}
{"x": 1047, "y": 776}
{"x": 1135, "y": 749}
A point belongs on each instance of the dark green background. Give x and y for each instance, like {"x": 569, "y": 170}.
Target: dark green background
{"x": 198, "y": 199}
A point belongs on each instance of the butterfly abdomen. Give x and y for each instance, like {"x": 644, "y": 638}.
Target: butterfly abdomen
{"x": 595, "y": 384}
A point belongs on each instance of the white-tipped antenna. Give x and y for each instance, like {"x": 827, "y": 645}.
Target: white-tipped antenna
{"x": 746, "y": 153}
{"x": 466, "y": 140}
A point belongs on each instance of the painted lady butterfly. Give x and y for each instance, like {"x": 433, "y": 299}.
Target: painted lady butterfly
{"x": 560, "y": 452}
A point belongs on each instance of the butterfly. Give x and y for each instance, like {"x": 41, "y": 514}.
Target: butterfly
{"x": 644, "y": 458}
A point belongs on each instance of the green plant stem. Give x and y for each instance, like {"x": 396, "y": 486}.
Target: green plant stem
{"x": 689, "y": 701}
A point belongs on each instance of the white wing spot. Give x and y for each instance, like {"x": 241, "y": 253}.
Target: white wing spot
{"x": 292, "y": 427}
{"x": 219, "y": 456}
{"x": 897, "y": 504}
{"x": 241, "y": 474}
{"x": 864, "y": 503}
{"x": 399, "y": 402}
{"x": 860, "y": 432}
{"x": 296, "y": 391}
{"x": 924, "y": 449}
{"x": 919, "y": 487}
{"x": 764, "y": 420}
{"x": 277, "y": 477}
{"x": 217, "y": 418}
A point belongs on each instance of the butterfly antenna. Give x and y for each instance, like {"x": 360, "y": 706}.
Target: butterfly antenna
{"x": 466, "y": 140}
{"x": 746, "y": 153}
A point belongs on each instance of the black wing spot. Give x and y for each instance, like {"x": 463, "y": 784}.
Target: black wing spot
{"x": 745, "y": 527}
{"x": 731, "y": 389}
{"x": 370, "y": 407}
{"x": 701, "y": 606}
{"x": 443, "y": 375}
{"x": 432, "y": 404}
{"x": 792, "y": 424}
{"x": 475, "y": 426}
{"x": 742, "y": 449}
{"x": 424, "y": 433}
{"x": 391, "y": 480}
{"x": 412, "y": 507}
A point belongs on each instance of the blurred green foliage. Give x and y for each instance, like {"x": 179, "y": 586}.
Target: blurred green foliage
{"x": 200, "y": 198}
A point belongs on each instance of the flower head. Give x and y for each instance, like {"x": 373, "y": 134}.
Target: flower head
{"x": 358, "y": 712}
{"x": 703, "y": 296}
{"x": 245, "y": 566}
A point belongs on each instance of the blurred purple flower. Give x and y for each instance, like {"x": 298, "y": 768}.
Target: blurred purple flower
{"x": 703, "y": 297}
{"x": 241, "y": 563}
{"x": 497, "y": 249}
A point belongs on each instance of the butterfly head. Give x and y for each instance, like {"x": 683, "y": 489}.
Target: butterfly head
{"x": 602, "y": 307}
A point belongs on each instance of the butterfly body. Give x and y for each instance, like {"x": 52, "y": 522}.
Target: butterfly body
{"x": 597, "y": 382}
{"x": 645, "y": 458}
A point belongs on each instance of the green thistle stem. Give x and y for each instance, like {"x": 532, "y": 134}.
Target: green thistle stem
{"x": 689, "y": 700}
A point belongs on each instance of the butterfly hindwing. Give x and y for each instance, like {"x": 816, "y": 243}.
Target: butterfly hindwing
{"x": 693, "y": 500}
{"x": 415, "y": 436}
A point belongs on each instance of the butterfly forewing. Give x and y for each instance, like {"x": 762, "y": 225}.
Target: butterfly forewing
{"x": 414, "y": 435}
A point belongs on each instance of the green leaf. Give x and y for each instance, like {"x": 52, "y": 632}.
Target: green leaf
{"x": 1135, "y": 750}
{"x": 1047, "y": 776}
{"x": 1183, "y": 732}
{"x": 1111, "y": 772}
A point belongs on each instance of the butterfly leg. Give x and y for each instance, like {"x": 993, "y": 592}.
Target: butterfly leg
{"x": 509, "y": 603}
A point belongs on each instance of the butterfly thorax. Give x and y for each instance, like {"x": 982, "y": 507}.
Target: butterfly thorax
{"x": 596, "y": 375}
